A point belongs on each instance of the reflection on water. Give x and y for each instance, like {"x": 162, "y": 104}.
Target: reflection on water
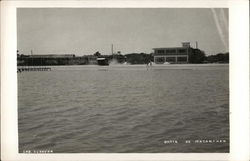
{"x": 124, "y": 108}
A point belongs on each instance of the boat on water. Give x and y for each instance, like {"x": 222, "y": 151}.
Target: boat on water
{"x": 102, "y": 61}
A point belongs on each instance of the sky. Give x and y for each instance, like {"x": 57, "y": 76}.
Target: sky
{"x": 84, "y": 31}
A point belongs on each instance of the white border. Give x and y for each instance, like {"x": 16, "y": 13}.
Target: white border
{"x": 239, "y": 79}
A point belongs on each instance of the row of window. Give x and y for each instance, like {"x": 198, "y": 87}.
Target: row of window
{"x": 171, "y": 51}
{"x": 170, "y": 59}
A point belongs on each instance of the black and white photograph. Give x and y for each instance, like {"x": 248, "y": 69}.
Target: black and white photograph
{"x": 123, "y": 80}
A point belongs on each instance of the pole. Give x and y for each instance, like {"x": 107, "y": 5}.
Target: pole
{"x": 112, "y": 50}
{"x": 31, "y": 53}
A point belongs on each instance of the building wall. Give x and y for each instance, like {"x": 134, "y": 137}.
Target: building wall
{"x": 34, "y": 61}
{"x": 171, "y": 51}
{"x": 171, "y": 55}
{"x": 53, "y": 56}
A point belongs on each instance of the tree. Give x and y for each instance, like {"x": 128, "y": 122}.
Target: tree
{"x": 138, "y": 58}
{"x": 196, "y": 56}
{"x": 218, "y": 58}
{"x": 97, "y": 54}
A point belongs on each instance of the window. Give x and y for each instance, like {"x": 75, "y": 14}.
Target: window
{"x": 182, "y": 59}
{"x": 182, "y": 50}
{"x": 170, "y": 51}
{"x": 159, "y": 60}
{"x": 160, "y": 51}
{"x": 170, "y": 59}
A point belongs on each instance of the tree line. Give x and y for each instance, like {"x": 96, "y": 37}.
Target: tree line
{"x": 195, "y": 57}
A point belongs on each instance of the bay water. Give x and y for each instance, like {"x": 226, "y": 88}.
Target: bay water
{"x": 125, "y": 109}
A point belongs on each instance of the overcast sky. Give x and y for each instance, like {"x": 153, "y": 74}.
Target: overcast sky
{"x": 85, "y": 31}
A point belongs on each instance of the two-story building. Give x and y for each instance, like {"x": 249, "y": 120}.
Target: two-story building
{"x": 173, "y": 54}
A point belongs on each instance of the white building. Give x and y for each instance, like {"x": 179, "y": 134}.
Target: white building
{"x": 173, "y": 54}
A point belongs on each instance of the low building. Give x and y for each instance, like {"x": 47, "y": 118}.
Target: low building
{"x": 53, "y": 56}
{"x": 51, "y": 59}
{"x": 176, "y": 55}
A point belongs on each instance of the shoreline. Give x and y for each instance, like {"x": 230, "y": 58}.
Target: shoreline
{"x": 130, "y": 65}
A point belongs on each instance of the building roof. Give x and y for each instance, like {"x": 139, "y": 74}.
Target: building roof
{"x": 52, "y": 56}
{"x": 163, "y": 48}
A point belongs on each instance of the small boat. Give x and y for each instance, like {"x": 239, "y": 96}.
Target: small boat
{"x": 102, "y": 61}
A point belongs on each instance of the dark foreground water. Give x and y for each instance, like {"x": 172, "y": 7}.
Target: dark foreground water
{"x": 126, "y": 108}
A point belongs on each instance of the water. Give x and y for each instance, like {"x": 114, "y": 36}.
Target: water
{"x": 124, "y": 109}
